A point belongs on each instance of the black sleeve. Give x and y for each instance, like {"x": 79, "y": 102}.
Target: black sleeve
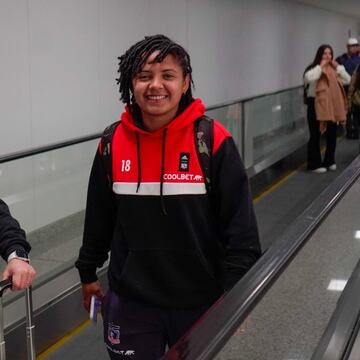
{"x": 235, "y": 212}
{"x": 99, "y": 225}
{"x": 11, "y": 235}
{"x": 340, "y": 59}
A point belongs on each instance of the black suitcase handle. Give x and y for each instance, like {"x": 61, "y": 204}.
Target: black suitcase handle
{"x": 5, "y": 284}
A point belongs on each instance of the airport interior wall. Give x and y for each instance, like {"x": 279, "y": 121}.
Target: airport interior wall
{"x": 59, "y": 58}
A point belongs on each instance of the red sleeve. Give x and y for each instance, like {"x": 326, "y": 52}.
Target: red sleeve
{"x": 220, "y": 134}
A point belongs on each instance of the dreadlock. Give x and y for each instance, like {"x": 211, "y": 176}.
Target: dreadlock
{"x": 136, "y": 56}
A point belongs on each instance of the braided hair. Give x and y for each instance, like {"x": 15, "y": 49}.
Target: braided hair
{"x": 136, "y": 56}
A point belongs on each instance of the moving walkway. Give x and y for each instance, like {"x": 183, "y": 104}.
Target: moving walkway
{"x": 267, "y": 130}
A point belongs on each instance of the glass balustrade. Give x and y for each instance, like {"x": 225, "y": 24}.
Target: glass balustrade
{"x": 47, "y": 192}
{"x": 266, "y": 129}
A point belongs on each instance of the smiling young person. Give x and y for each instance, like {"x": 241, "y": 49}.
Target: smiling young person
{"x": 175, "y": 246}
{"x": 158, "y": 88}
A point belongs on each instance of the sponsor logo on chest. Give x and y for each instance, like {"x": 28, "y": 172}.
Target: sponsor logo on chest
{"x": 183, "y": 177}
{"x": 182, "y": 174}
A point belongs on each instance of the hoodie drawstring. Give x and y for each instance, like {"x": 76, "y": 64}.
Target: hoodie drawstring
{"x": 139, "y": 161}
{"x": 162, "y": 200}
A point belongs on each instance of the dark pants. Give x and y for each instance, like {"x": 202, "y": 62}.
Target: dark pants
{"x": 313, "y": 148}
{"x": 352, "y": 123}
{"x": 356, "y": 113}
{"x": 140, "y": 332}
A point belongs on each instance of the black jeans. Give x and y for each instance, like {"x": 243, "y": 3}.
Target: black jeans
{"x": 356, "y": 113}
{"x": 313, "y": 147}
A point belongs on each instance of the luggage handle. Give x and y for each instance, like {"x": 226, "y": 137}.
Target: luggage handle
{"x": 5, "y": 284}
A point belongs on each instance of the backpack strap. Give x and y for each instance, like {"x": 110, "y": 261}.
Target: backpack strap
{"x": 204, "y": 139}
{"x": 106, "y": 150}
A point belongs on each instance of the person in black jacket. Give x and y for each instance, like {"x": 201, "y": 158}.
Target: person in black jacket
{"x": 176, "y": 243}
{"x": 14, "y": 249}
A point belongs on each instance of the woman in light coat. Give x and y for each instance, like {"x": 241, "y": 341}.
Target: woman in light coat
{"x": 326, "y": 106}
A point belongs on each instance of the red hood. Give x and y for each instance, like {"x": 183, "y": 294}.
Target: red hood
{"x": 186, "y": 118}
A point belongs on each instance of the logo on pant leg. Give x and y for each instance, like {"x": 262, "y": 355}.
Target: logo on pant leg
{"x": 114, "y": 334}
{"x": 121, "y": 352}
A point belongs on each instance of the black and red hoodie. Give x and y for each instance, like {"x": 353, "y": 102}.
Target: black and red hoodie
{"x": 171, "y": 243}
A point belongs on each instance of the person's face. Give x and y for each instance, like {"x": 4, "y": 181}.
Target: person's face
{"x": 158, "y": 88}
{"x": 352, "y": 50}
{"x": 327, "y": 56}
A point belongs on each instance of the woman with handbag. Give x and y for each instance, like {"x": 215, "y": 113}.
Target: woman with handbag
{"x": 326, "y": 106}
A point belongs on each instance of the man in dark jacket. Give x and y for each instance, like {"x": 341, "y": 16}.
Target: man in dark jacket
{"x": 14, "y": 249}
{"x": 350, "y": 60}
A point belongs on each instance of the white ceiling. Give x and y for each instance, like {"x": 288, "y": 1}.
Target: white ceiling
{"x": 347, "y": 7}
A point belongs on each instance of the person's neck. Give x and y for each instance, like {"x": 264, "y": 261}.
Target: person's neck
{"x": 153, "y": 123}
{"x": 156, "y": 122}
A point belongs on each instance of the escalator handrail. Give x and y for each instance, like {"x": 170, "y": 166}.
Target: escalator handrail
{"x": 45, "y": 148}
{"x": 251, "y": 98}
{"x": 212, "y": 332}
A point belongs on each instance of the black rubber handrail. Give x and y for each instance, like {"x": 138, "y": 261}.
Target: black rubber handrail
{"x": 45, "y": 148}
{"x": 251, "y": 98}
